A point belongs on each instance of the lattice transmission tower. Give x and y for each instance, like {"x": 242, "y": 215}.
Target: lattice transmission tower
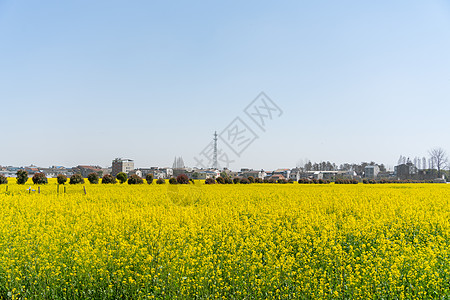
{"x": 215, "y": 161}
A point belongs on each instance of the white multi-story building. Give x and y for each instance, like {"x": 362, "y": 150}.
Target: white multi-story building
{"x": 122, "y": 165}
{"x": 371, "y": 171}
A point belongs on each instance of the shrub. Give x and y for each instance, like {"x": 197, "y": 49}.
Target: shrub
{"x": 228, "y": 180}
{"x": 173, "y": 180}
{"x": 211, "y": 180}
{"x": 160, "y": 181}
{"x": 251, "y": 179}
{"x": 39, "y": 178}
{"x": 22, "y": 176}
{"x": 149, "y": 178}
{"x": 290, "y": 180}
{"x": 220, "y": 180}
{"x": 183, "y": 179}
{"x": 3, "y": 180}
{"x": 258, "y": 180}
{"x": 244, "y": 181}
{"x": 108, "y": 179}
{"x": 348, "y": 181}
{"x": 61, "y": 179}
{"x": 135, "y": 179}
{"x": 321, "y": 181}
{"x": 236, "y": 180}
{"x": 282, "y": 181}
{"x": 122, "y": 177}
{"x": 76, "y": 179}
{"x": 93, "y": 178}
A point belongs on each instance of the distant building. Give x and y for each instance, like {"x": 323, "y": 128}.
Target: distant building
{"x": 311, "y": 175}
{"x": 295, "y": 174}
{"x": 439, "y": 180}
{"x": 13, "y": 169}
{"x": 54, "y": 171}
{"x": 426, "y": 174}
{"x": 163, "y": 173}
{"x": 86, "y": 170}
{"x": 7, "y": 173}
{"x": 31, "y": 170}
{"x": 285, "y": 172}
{"x": 277, "y": 177}
{"x": 122, "y": 165}
{"x": 229, "y": 173}
{"x": 386, "y": 175}
{"x": 405, "y": 171}
{"x": 179, "y": 171}
{"x": 371, "y": 171}
{"x": 255, "y": 174}
{"x": 203, "y": 174}
{"x": 143, "y": 172}
{"x": 107, "y": 171}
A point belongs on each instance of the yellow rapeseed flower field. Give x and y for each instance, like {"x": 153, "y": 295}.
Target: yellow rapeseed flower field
{"x": 198, "y": 241}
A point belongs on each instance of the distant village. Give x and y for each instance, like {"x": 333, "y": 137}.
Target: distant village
{"x": 405, "y": 170}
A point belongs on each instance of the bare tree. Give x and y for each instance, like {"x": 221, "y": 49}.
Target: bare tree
{"x": 417, "y": 162}
{"x": 438, "y": 158}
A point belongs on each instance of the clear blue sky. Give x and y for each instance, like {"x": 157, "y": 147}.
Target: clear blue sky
{"x": 82, "y": 82}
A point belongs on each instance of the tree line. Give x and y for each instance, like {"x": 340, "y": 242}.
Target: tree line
{"x": 437, "y": 160}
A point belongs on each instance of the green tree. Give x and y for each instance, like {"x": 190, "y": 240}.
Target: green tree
{"x": 22, "y": 176}
{"x": 109, "y": 179}
{"x": 39, "y": 178}
{"x": 61, "y": 179}
{"x": 93, "y": 178}
{"x": 149, "y": 178}
{"x": 183, "y": 179}
{"x": 244, "y": 181}
{"x": 135, "y": 179}
{"x": 122, "y": 177}
{"x": 210, "y": 180}
{"x": 76, "y": 179}
{"x": 3, "y": 180}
